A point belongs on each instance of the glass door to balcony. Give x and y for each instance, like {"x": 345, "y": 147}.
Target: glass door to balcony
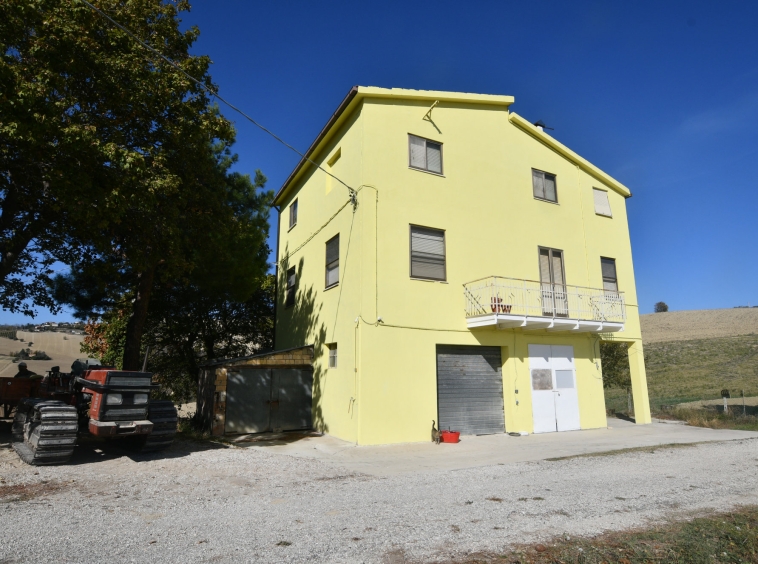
{"x": 553, "y": 283}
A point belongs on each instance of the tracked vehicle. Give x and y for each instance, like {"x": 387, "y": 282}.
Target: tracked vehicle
{"x": 102, "y": 402}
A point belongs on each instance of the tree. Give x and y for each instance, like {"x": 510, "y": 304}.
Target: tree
{"x": 92, "y": 132}
{"x": 211, "y": 297}
{"x": 615, "y": 362}
{"x": 661, "y": 307}
{"x": 187, "y": 327}
{"x": 112, "y": 160}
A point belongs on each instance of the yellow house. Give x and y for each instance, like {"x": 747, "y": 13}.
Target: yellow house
{"x": 452, "y": 262}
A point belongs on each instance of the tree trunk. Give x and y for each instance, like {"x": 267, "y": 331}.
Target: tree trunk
{"x": 136, "y": 324}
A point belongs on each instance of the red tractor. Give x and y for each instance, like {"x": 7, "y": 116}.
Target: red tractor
{"x": 100, "y": 401}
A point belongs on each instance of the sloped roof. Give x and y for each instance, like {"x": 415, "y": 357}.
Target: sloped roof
{"x": 358, "y": 93}
{"x": 564, "y": 151}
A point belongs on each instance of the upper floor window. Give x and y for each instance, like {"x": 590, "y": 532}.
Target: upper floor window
{"x": 544, "y": 186}
{"x": 610, "y": 282}
{"x": 333, "y": 261}
{"x": 332, "y": 355}
{"x": 427, "y": 253}
{"x": 553, "y": 278}
{"x": 602, "y": 205}
{"x": 289, "y": 298}
{"x": 293, "y": 214}
{"x": 424, "y": 154}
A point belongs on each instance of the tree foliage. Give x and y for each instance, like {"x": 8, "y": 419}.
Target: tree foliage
{"x": 92, "y": 132}
{"x": 615, "y": 362}
{"x": 661, "y": 307}
{"x": 116, "y": 163}
{"x": 188, "y": 327}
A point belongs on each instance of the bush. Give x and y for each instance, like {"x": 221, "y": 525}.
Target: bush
{"x": 27, "y": 354}
{"x": 661, "y": 307}
{"x": 23, "y": 354}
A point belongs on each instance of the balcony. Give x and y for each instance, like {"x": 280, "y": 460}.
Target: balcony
{"x": 511, "y": 303}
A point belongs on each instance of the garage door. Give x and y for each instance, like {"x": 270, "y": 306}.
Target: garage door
{"x": 470, "y": 389}
{"x": 268, "y": 399}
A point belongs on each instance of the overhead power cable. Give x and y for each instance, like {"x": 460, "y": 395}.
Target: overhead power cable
{"x": 214, "y": 93}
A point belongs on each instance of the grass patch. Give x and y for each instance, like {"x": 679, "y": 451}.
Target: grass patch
{"x": 716, "y": 419}
{"x": 686, "y": 371}
{"x": 715, "y": 539}
{"x": 648, "y": 449}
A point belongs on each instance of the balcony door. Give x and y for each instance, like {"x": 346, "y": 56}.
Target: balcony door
{"x": 553, "y": 280}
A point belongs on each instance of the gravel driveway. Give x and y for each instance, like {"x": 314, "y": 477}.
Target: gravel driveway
{"x": 200, "y": 503}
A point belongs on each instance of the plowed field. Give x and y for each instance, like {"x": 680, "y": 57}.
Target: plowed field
{"x": 698, "y": 324}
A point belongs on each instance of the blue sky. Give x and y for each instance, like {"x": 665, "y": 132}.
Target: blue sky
{"x": 661, "y": 95}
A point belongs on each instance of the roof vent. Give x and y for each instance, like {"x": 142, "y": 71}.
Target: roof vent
{"x": 541, "y": 125}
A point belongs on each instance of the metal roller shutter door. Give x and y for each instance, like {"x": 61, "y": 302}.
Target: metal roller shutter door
{"x": 470, "y": 389}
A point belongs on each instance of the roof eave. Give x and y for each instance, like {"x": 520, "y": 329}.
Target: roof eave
{"x": 564, "y": 151}
{"x": 324, "y": 131}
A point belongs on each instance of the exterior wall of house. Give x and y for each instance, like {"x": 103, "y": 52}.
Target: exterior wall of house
{"x": 385, "y": 388}
{"x": 322, "y": 316}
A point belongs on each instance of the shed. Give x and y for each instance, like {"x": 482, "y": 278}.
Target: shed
{"x": 255, "y": 394}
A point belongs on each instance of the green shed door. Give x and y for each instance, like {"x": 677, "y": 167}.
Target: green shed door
{"x": 470, "y": 389}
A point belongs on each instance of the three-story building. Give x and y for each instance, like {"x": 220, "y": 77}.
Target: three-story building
{"x": 451, "y": 261}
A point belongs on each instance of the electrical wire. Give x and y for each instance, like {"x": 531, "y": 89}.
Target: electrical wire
{"x": 213, "y": 92}
{"x": 284, "y": 259}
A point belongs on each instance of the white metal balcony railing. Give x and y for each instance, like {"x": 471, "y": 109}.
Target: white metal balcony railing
{"x": 509, "y": 302}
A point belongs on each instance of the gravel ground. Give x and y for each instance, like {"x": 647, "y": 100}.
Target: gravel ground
{"x": 200, "y": 503}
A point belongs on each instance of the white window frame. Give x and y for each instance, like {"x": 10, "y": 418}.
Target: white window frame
{"x": 332, "y": 347}
{"x": 425, "y": 168}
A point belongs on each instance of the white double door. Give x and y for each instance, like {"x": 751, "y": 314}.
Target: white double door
{"x": 555, "y": 403}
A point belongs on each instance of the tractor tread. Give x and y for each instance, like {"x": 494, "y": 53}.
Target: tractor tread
{"x": 163, "y": 415}
{"x": 53, "y": 436}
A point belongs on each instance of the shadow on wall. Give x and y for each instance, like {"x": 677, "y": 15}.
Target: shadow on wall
{"x": 299, "y": 325}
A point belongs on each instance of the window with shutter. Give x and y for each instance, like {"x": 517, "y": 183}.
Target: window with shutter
{"x": 610, "y": 282}
{"x": 289, "y": 299}
{"x": 333, "y": 261}
{"x": 544, "y": 186}
{"x": 427, "y": 253}
{"x": 293, "y": 214}
{"x": 424, "y": 154}
{"x": 602, "y": 205}
{"x": 553, "y": 279}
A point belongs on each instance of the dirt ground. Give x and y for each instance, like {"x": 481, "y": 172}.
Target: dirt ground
{"x": 62, "y": 348}
{"x": 698, "y": 324}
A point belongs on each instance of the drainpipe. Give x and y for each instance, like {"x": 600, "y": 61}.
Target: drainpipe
{"x": 276, "y": 268}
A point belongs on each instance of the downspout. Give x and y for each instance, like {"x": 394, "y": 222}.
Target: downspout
{"x": 276, "y": 267}
{"x": 584, "y": 227}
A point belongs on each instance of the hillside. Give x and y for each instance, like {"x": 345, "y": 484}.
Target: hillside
{"x": 62, "y": 348}
{"x": 693, "y": 355}
{"x": 698, "y": 324}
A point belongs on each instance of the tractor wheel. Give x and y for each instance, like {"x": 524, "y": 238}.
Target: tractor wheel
{"x": 162, "y": 413}
{"x": 44, "y": 431}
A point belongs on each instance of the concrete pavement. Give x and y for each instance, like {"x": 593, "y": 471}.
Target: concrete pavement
{"x": 488, "y": 450}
